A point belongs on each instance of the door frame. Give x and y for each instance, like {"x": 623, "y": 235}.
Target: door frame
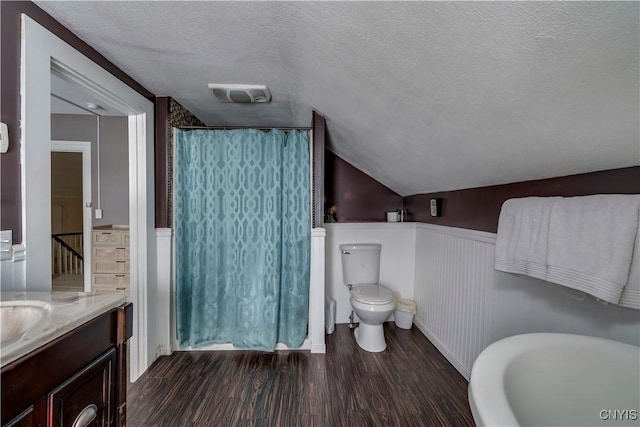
{"x": 84, "y": 148}
{"x": 43, "y": 53}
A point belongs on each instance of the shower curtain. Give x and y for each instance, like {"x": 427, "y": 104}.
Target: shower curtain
{"x": 243, "y": 230}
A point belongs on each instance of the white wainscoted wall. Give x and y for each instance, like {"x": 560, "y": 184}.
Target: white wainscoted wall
{"x": 463, "y": 303}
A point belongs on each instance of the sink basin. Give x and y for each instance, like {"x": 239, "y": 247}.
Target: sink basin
{"x": 17, "y": 317}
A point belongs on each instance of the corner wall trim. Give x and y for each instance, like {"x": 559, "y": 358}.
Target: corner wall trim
{"x": 463, "y": 233}
{"x": 164, "y": 277}
{"x": 317, "y": 291}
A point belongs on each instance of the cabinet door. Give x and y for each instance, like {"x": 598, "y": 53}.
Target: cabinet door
{"x": 26, "y": 419}
{"x": 88, "y": 398}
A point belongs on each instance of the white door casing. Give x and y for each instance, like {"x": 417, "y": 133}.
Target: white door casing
{"x": 43, "y": 53}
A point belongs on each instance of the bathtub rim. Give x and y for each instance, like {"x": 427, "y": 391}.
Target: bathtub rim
{"x": 487, "y": 398}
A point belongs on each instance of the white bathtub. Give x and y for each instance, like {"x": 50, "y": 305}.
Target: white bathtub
{"x": 556, "y": 380}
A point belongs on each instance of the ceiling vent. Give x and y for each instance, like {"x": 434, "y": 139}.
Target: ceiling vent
{"x": 241, "y": 94}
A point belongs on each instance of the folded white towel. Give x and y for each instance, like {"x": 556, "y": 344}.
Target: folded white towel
{"x": 522, "y": 241}
{"x": 631, "y": 293}
{"x": 591, "y": 241}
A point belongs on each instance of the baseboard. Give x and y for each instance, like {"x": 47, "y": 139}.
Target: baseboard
{"x": 466, "y": 373}
{"x": 318, "y": 348}
{"x": 306, "y": 345}
{"x": 163, "y": 350}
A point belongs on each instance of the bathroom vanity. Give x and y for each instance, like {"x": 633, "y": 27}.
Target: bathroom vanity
{"x": 70, "y": 367}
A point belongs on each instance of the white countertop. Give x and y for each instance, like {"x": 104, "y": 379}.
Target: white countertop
{"x": 68, "y": 311}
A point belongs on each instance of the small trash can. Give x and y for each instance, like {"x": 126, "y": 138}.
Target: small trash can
{"x": 330, "y": 315}
{"x": 405, "y": 310}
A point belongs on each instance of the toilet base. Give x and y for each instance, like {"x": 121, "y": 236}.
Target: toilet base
{"x": 370, "y": 337}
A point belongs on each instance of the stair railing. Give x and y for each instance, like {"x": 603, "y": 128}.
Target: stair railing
{"x": 66, "y": 253}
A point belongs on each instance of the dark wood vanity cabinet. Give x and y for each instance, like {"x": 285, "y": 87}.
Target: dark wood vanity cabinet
{"x": 77, "y": 380}
{"x": 88, "y": 398}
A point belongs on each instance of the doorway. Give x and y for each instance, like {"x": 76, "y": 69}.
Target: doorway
{"x": 71, "y": 220}
{"x": 43, "y": 54}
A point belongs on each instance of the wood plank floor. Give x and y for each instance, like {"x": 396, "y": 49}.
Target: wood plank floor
{"x": 409, "y": 384}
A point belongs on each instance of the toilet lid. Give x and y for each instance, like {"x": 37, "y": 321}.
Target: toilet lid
{"x": 371, "y": 294}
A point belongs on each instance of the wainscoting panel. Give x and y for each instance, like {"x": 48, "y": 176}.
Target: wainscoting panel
{"x": 464, "y": 304}
{"x": 449, "y": 292}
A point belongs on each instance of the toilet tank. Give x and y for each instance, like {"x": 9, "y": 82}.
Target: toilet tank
{"x": 360, "y": 263}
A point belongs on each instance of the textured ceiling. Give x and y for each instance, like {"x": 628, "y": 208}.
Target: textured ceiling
{"x": 423, "y": 96}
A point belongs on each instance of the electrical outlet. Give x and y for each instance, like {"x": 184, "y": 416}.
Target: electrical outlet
{"x": 98, "y": 213}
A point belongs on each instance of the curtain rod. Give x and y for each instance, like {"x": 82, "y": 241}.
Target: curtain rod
{"x": 242, "y": 127}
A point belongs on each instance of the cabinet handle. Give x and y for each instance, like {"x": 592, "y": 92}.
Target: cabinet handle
{"x": 121, "y": 248}
{"x": 119, "y": 275}
{"x": 105, "y": 233}
{"x": 86, "y": 416}
{"x": 121, "y": 289}
{"x": 121, "y": 262}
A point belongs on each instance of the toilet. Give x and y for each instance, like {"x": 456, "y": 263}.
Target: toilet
{"x": 372, "y": 302}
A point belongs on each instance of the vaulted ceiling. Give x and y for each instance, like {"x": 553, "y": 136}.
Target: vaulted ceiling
{"x": 423, "y": 96}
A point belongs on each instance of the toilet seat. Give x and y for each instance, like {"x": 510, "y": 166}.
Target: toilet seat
{"x": 371, "y": 294}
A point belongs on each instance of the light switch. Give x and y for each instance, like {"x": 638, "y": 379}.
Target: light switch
{"x": 6, "y": 237}
{"x": 4, "y": 138}
{"x": 435, "y": 206}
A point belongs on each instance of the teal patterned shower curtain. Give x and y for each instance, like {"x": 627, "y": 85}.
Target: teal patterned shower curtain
{"x": 243, "y": 230}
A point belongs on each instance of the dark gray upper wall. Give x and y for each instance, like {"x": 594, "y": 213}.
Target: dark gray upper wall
{"x": 359, "y": 197}
{"x": 356, "y": 196}
{"x": 479, "y": 208}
